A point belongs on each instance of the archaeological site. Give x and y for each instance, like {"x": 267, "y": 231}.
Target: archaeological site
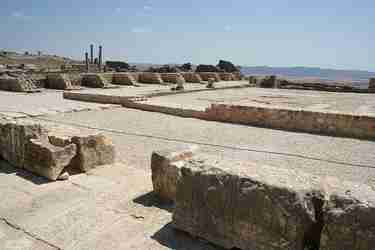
{"x": 106, "y": 148}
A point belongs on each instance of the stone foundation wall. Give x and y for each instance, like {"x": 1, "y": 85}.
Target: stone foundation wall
{"x": 226, "y": 76}
{"x": 58, "y": 81}
{"x": 17, "y": 83}
{"x": 95, "y": 80}
{"x": 207, "y": 75}
{"x": 172, "y": 78}
{"x": 148, "y": 77}
{"x": 192, "y": 77}
{"x": 123, "y": 79}
{"x": 335, "y": 124}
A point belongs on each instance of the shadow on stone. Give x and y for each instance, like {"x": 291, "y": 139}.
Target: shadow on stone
{"x": 179, "y": 240}
{"x": 152, "y": 200}
{"x": 6, "y": 168}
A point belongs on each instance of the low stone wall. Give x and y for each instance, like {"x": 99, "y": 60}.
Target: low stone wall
{"x": 148, "y": 77}
{"x": 226, "y": 76}
{"x": 328, "y": 123}
{"x": 251, "y": 206}
{"x": 17, "y": 82}
{"x": 58, "y": 81}
{"x": 95, "y": 80}
{"x": 49, "y": 151}
{"x": 172, "y": 78}
{"x": 192, "y": 77}
{"x": 123, "y": 79}
{"x": 207, "y": 75}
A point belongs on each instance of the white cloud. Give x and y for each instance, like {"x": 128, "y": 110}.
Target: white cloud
{"x": 117, "y": 10}
{"x": 140, "y": 30}
{"x": 147, "y": 7}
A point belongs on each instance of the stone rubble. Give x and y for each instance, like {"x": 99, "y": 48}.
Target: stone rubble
{"x": 17, "y": 82}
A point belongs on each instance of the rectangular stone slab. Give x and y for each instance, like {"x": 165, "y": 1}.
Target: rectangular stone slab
{"x": 247, "y": 206}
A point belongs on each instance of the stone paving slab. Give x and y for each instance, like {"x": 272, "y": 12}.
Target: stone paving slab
{"x": 20, "y": 105}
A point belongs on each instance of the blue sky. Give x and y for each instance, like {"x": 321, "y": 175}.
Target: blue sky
{"x": 329, "y": 33}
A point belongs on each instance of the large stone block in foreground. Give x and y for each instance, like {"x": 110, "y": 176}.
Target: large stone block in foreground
{"x": 248, "y": 207}
{"x": 349, "y": 217}
{"x": 93, "y": 149}
{"x": 165, "y": 167}
{"x": 25, "y": 144}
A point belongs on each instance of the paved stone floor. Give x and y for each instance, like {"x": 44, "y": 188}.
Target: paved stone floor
{"x": 112, "y": 207}
{"x": 18, "y": 105}
{"x": 360, "y": 104}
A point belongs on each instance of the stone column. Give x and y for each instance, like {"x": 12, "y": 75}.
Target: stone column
{"x": 100, "y": 57}
{"x": 92, "y": 53}
{"x": 87, "y": 61}
{"x": 371, "y": 84}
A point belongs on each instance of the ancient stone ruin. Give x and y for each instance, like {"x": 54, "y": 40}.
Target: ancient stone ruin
{"x": 226, "y": 76}
{"x": 269, "y": 82}
{"x": 123, "y": 79}
{"x": 192, "y": 77}
{"x": 50, "y": 151}
{"x": 17, "y": 82}
{"x": 371, "y": 85}
{"x": 149, "y": 77}
{"x": 93, "y": 80}
{"x": 58, "y": 81}
{"x": 172, "y": 78}
{"x": 242, "y": 205}
{"x": 206, "y": 75}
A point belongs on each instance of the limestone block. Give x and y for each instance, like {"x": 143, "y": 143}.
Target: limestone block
{"x": 172, "y": 77}
{"x": 248, "y": 206}
{"x": 206, "y": 75}
{"x": 165, "y": 167}
{"x": 123, "y": 79}
{"x": 45, "y": 159}
{"x": 13, "y": 139}
{"x": 58, "y": 81}
{"x": 25, "y": 144}
{"x": 269, "y": 82}
{"x": 92, "y": 151}
{"x": 148, "y": 77}
{"x": 192, "y": 77}
{"x": 226, "y": 76}
{"x": 349, "y": 217}
{"x": 17, "y": 82}
{"x": 94, "y": 81}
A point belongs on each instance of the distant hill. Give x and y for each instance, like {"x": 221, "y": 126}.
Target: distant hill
{"x": 310, "y": 73}
{"x": 50, "y": 61}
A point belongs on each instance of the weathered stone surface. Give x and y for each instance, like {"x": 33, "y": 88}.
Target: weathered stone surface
{"x": 206, "y": 75}
{"x": 349, "y": 216}
{"x": 45, "y": 159}
{"x": 25, "y": 144}
{"x": 148, "y": 77}
{"x": 269, "y": 82}
{"x": 371, "y": 84}
{"x": 58, "y": 81}
{"x": 94, "y": 81}
{"x": 211, "y": 83}
{"x": 17, "y": 82}
{"x": 165, "y": 167}
{"x": 192, "y": 77}
{"x": 123, "y": 79}
{"x": 226, "y": 76}
{"x": 249, "y": 207}
{"x": 172, "y": 77}
{"x": 92, "y": 151}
